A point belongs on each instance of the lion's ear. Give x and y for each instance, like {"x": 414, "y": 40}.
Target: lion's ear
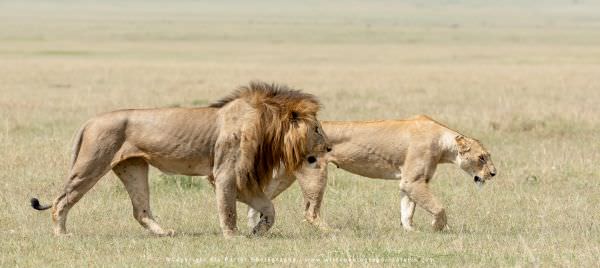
{"x": 462, "y": 144}
{"x": 294, "y": 117}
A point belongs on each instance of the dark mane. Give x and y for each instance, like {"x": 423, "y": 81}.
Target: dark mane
{"x": 269, "y": 91}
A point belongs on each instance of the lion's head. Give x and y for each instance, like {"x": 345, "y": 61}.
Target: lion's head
{"x": 305, "y": 141}
{"x": 475, "y": 159}
{"x": 286, "y": 130}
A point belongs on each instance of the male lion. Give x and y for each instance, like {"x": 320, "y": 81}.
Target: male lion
{"x": 237, "y": 142}
{"x": 405, "y": 150}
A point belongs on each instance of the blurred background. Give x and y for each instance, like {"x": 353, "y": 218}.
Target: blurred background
{"x": 521, "y": 76}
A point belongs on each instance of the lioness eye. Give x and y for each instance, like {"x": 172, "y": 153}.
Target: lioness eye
{"x": 482, "y": 159}
{"x": 317, "y": 129}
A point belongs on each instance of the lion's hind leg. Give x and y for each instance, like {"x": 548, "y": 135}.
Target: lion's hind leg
{"x": 133, "y": 173}
{"x": 82, "y": 178}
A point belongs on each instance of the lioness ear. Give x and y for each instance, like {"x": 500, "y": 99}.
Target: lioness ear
{"x": 462, "y": 144}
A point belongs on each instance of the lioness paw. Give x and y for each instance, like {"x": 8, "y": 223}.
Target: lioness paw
{"x": 438, "y": 225}
{"x": 169, "y": 232}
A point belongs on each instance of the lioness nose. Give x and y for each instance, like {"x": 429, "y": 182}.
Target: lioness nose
{"x": 493, "y": 173}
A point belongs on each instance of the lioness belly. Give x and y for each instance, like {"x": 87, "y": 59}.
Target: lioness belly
{"x": 354, "y": 151}
{"x": 365, "y": 160}
{"x": 371, "y": 170}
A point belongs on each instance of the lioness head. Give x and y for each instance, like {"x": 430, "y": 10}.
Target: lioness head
{"x": 475, "y": 159}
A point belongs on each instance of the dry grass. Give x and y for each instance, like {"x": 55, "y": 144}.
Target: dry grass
{"x": 525, "y": 80}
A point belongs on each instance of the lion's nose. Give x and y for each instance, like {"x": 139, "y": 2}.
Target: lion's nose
{"x": 493, "y": 173}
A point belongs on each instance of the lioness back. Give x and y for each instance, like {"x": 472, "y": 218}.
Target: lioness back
{"x": 378, "y": 149}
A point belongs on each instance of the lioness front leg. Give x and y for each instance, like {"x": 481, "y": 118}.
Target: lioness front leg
{"x": 419, "y": 192}
{"x": 313, "y": 181}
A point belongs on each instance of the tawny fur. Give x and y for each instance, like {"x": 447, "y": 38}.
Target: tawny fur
{"x": 236, "y": 142}
{"x": 404, "y": 150}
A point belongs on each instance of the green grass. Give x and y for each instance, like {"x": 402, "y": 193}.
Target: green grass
{"x": 523, "y": 78}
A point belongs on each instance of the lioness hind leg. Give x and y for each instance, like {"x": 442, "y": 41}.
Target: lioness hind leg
{"x": 134, "y": 175}
{"x": 253, "y": 217}
{"x": 407, "y": 208}
{"x": 263, "y": 205}
{"x": 276, "y": 186}
{"x": 420, "y": 193}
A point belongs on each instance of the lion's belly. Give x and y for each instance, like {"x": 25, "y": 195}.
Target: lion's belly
{"x": 171, "y": 159}
{"x": 189, "y": 167}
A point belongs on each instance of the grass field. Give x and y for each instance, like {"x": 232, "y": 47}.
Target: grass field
{"x": 521, "y": 76}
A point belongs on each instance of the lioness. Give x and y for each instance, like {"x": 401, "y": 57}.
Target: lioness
{"x": 237, "y": 142}
{"x": 405, "y": 150}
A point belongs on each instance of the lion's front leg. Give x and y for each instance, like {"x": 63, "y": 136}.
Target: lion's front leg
{"x": 418, "y": 191}
{"x": 226, "y": 191}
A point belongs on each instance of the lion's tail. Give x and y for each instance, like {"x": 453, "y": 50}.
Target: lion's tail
{"x": 35, "y": 204}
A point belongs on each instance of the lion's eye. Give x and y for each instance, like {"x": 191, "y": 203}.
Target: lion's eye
{"x": 482, "y": 159}
{"x": 317, "y": 129}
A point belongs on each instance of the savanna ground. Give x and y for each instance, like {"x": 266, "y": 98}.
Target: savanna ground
{"x": 523, "y": 77}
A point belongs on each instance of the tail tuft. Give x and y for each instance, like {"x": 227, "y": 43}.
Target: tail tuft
{"x": 35, "y": 204}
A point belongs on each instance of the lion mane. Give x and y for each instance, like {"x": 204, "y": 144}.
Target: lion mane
{"x": 277, "y": 137}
